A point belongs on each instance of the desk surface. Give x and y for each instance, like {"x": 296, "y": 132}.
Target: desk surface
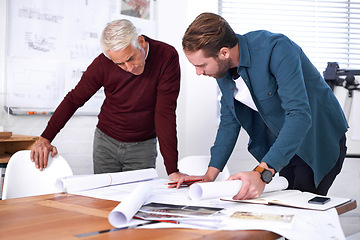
{"x": 17, "y": 138}
{"x": 63, "y": 216}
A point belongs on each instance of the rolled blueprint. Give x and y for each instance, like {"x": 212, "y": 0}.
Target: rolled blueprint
{"x": 75, "y": 183}
{"x": 207, "y": 190}
{"x": 126, "y": 210}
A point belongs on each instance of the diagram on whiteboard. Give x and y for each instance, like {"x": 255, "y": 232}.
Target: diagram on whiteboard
{"x": 31, "y": 85}
{"x": 51, "y": 43}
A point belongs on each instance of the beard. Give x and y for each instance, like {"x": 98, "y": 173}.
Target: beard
{"x": 223, "y": 67}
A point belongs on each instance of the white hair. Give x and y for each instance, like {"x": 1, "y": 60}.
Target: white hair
{"x": 117, "y": 35}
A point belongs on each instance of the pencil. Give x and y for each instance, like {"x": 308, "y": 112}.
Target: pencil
{"x": 187, "y": 181}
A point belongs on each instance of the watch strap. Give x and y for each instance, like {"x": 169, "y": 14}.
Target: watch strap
{"x": 264, "y": 173}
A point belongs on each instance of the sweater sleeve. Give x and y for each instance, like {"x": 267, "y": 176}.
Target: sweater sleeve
{"x": 165, "y": 116}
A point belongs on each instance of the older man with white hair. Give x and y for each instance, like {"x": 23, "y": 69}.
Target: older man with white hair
{"x": 141, "y": 80}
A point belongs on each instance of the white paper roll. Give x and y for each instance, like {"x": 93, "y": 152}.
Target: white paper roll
{"x": 207, "y": 190}
{"x": 126, "y": 210}
{"x": 77, "y": 183}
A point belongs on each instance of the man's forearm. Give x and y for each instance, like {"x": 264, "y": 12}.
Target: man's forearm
{"x": 211, "y": 174}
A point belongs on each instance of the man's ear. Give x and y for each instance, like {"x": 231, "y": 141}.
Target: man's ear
{"x": 141, "y": 41}
{"x": 224, "y": 53}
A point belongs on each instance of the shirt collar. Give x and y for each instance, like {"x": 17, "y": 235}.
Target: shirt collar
{"x": 148, "y": 49}
{"x": 244, "y": 60}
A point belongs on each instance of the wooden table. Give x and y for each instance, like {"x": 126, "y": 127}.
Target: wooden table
{"x": 63, "y": 216}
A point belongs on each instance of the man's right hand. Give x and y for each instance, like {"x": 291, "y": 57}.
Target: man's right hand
{"x": 40, "y": 153}
{"x": 209, "y": 176}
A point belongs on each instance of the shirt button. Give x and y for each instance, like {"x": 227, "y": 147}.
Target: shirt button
{"x": 231, "y": 88}
{"x": 270, "y": 93}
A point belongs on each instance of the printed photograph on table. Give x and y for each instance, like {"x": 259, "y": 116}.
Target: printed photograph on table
{"x": 181, "y": 210}
{"x": 263, "y": 216}
{"x": 162, "y": 211}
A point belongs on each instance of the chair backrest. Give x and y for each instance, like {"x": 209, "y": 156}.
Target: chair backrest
{"x": 198, "y": 165}
{"x": 23, "y": 179}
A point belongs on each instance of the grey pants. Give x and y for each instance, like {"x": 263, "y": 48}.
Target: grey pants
{"x": 110, "y": 155}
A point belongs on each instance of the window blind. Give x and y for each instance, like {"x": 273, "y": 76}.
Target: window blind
{"x": 327, "y": 30}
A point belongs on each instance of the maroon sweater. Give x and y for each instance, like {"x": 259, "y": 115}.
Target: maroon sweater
{"x": 136, "y": 108}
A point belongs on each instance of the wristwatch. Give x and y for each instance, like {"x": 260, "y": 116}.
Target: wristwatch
{"x": 265, "y": 175}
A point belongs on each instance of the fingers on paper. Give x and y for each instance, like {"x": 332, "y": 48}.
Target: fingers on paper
{"x": 185, "y": 181}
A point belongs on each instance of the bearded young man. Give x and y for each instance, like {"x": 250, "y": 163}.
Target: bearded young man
{"x": 270, "y": 89}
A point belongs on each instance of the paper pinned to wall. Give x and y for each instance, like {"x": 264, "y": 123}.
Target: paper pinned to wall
{"x": 50, "y": 45}
{"x": 46, "y": 43}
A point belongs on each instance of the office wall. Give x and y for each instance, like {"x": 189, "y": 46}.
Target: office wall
{"x": 197, "y": 106}
{"x": 2, "y": 58}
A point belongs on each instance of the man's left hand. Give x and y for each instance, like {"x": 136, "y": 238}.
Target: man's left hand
{"x": 175, "y": 176}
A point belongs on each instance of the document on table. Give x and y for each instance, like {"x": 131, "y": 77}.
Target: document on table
{"x": 309, "y": 223}
{"x": 174, "y": 213}
{"x": 306, "y": 224}
{"x": 292, "y": 198}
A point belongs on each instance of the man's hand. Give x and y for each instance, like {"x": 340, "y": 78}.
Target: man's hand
{"x": 40, "y": 153}
{"x": 175, "y": 176}
{"x": 186, "y": 180}
{"x": 252, "y": 185}
{"x": 210, "y": 176}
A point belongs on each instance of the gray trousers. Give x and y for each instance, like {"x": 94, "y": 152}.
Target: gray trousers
{"x": 110, "y": 155}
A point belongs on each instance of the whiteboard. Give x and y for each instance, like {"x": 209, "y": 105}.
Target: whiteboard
{"x": 51, "y": 43}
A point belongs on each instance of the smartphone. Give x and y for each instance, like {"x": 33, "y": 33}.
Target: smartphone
{"x": 319, "y": 200}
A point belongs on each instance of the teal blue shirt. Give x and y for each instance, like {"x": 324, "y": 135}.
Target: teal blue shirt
{"x": 297, "y": 111}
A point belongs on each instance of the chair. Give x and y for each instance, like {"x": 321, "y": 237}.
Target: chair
{"x": 23, "y": 179}
{"x": 198, "y": 165}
